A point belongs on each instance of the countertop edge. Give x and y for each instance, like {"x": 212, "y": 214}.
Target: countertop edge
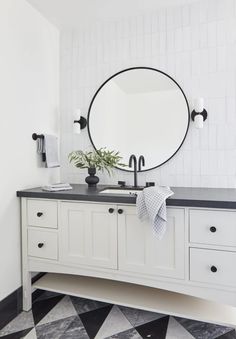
{"x": 126, "y": 199}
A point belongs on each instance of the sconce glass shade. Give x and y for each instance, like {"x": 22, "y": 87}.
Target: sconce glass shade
{"x": 76, "y": 128}
{"x": 199, "y": 114}
{"x": 199, "y": 105}
{"x": 198, "y": 121}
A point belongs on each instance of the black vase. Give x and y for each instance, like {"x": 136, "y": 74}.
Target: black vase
{"x": 92, "y": 179}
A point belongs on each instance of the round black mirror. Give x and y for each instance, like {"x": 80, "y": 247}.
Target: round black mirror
{"x": 140, "y": 111}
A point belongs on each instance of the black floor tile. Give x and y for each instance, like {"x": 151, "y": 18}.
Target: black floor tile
{"x": 41, "y": 307}
{"x": 93, "y": 320}
{"x": 155, "y": 329}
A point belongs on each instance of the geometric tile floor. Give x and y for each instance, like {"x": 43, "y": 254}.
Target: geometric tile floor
{"x": 57, "y": 316}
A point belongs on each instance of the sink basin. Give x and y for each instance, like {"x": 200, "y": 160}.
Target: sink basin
{"x": 120, "y": 191}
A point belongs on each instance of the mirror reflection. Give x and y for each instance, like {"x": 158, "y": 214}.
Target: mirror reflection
{"x": 139, "y": 111}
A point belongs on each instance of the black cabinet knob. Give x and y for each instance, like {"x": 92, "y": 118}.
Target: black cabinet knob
{"x": 213, "y": 269}
{"x": 120, "y": 211}
{"x": 40, "y": 245}
{"x": 39, "y": 214}
{"x": 213, "y": 229}
{"x": 111, "y": 210}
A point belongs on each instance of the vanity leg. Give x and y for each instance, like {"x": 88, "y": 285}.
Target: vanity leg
{"x": 26, "y": 274}
{"x": 27, "y": 291}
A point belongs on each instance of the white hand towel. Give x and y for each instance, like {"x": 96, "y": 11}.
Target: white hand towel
{"x": 40, "y": 145}
{"x": 151, "y": 204}
{"x": 51, "y": 151}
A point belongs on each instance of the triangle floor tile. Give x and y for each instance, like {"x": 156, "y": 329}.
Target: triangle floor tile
{"x": 93, "y": 320}
{"x": 31, "y": 334}
{"x": 199, "y": 329}
{"x": 154, "y": 329}
{"x": 23, "y": 321}
{"x": 75, "y": 330}
{"x": 139, "y": 317}
{"x": 129, "y": 334}
{"x": 229, "y": 335}
{"x": 177, "y": 331}
{"x": 83, "y": 305}
{"x": 63, "y": 309}
{"x": 43, "y": 295}
{"x": 55, "y": 329}
{"x": 17, "y": 335}
{"x": 115, "y": 322}
{"x": 42, "y": 307}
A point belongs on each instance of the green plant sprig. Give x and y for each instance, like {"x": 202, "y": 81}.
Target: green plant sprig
{"x": 101, "y": 159}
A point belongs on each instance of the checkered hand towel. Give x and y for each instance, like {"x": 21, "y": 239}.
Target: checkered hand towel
{"x": 151, "y": 204}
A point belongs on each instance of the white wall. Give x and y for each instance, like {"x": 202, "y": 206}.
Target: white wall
{"x": 28, "y": 103}
{"x": 194, "y": 43}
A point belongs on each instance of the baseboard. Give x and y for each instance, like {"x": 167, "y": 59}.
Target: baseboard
{"x": 11, "y": 306}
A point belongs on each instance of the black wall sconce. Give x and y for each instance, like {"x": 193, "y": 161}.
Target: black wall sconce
{"x": 199, "y": 114}
{"x": 79, "y": 122}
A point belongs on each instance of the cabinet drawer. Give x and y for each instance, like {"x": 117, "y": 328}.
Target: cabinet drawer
{"x": 213, "y": 267}
{"x": 42, "y": 213}
{"x": 213, "y": 227}
{"x": 42, "y": 244}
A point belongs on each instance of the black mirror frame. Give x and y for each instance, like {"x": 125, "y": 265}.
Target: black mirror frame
{"x": 126, "y": 70}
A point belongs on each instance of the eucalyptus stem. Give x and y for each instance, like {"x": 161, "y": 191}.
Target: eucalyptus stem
{"x": 102, "y": 159}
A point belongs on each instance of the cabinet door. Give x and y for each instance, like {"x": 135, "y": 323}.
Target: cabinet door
{"x": 88, "y": 234}
{"x": 141, "y": 252}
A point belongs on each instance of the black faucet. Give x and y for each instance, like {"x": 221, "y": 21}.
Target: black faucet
{"x": 134, "y": 159}
{"x": 141, "y": 162}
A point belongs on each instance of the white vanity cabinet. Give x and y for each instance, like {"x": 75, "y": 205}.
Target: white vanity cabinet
{"x": 196, "y": 256}
{"x": 88, "y": 234}
{"x": 112, "y": 236}
{"x": 141, "y": 251}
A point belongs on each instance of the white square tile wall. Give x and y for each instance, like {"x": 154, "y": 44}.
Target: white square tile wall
{"x": 196, "y": 45}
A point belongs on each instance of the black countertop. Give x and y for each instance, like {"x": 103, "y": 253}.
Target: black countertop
{"x": 183, "y": 196}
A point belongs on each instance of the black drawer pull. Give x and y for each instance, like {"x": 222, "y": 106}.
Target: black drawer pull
{"x": 111, "y": 210}
{"x": 213, "y": 269}
{"x": 39, "y": 214}
{"x": 213, "y": 229}
{"x": 120, "y": 211}
{"x": 40, "y": 245}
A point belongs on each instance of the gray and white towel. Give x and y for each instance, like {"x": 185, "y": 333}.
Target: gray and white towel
{"x": 151, "y": 205}
{"x": 49, "y": 146}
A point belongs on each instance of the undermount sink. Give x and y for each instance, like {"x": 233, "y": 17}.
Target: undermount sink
{"x": 120, "y": 191}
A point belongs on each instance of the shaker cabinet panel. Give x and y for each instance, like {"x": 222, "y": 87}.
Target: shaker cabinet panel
{"x": 88, "y": 234}
{"x": 42, "y": 244}
{"x": 141, "y": 252}
{"x": 212, "y": 267}
{"x": 212, "y": 227}
{"x": 42, "y": 213}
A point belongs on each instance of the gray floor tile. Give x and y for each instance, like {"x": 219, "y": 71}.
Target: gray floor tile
{"x": 114, "y": 323}
{"x": 129, "y": 334}
{"x": 177, "y": 331}
{"x": 62, "y": 310}
{"x": 85, "y": 305}
{"x": 201, "y": 330}
{"x": 55, "y": 329}
{"x": 23, "y": 321}
{"x": 139, "y": 317}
